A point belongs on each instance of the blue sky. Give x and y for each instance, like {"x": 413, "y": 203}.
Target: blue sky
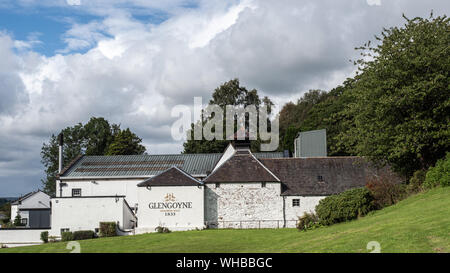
{"x": 133, "y": 61}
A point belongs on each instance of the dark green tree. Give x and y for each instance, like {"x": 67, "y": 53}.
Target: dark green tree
{"x": 229, "y": 93}
{"x": 93, "y": 138}
{"x": 401, "y": 96}
{"x": 126, "y": 143}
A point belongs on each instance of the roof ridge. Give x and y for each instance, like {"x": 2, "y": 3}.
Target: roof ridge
{"x": 63, "y": 171}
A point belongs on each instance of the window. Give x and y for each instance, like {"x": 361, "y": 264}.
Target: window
{"x": 76, "y": 192}
{"x": 296, "y": 202}
{"x": 24, "y": 221}
{"x": 217, "y": 185}
{"x": 64, "y": 230}
{"x": 319, "y": 178}
{"x": 263, "y": 184}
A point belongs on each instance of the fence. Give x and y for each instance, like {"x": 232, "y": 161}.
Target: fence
{"x": 20, "y": 236}
{"x": 256, "y": 224}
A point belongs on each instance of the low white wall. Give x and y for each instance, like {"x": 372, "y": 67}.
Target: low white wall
{"x": 307, "y": 204}
{"x": 17, "y": 237}
{"x": 86, "y": 213}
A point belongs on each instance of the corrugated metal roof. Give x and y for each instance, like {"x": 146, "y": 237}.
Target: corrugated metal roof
{"x": 147, "y": 165}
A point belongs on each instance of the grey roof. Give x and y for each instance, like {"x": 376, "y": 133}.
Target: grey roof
{"x": 145, "y": 165}
{"x": 20, "y": 199}
{"x": 171, "y": 177}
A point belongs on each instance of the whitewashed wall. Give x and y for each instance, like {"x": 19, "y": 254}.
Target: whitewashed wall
{"x": 232, "y": 204}
{"x": 86, "y": 213}
{"x": 99, "y": 187}
{"x": 182, "y": 219}
{"x": 307, "y": 204}
{"x": 18, "y": 237}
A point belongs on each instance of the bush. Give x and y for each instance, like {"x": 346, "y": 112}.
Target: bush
{"x": 416, "y": 182}
{"x": 44, "y": 236}
{"x": 161, "y": 229}
{"x": 308, "y": 221}
{"x": 83, "y": 235}
{"x": 385, "y": 192}
{"x": 439, "y": 175}
{"x": 345, "y": 206}
{"x": 52, "y": 239}
{"x": 66, "y": 236}
{"x": 107, "y": 229}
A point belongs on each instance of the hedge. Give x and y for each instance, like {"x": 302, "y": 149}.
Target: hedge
{"x": 439, "y": 175}
{"x": 66, "y": 236}
{"x": 107, "y": 229}
{"x": 345, "y": 206}
{"x": 83, "y": 235}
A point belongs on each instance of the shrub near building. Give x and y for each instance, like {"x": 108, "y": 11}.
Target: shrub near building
{"x": 345, "y": 206}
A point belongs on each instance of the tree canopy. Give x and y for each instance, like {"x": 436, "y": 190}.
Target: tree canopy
{"x": 96, "y": 137}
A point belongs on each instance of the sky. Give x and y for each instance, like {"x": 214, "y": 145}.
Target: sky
{"x": 132, "y": 61}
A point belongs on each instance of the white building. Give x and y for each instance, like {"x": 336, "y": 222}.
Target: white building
{"x": 33, "y": 208}
{"x": 237, "y": 189}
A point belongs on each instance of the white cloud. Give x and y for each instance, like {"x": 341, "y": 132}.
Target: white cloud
{"x": 374, "y": 2}
{"x": 133, "y": 71}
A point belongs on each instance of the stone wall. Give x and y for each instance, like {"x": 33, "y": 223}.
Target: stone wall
{"x": 244, "y": 205}
{"x": 307, "y": 204}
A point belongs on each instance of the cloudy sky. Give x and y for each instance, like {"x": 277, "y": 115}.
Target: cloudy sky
{"x": 131, "y": 61}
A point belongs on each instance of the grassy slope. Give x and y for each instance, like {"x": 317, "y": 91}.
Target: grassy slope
{"x": 418, "y": 224}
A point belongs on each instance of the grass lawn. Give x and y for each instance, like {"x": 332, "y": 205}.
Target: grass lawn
{"x": 420, "y": 223}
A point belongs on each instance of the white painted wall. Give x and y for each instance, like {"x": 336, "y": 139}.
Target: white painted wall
{"x": 17, "y": 237}
{"x": 86, "y": 213}
{"x": 240, "y": 202}
{"x": 103, "y": 187}
{"x": 174, "y": 219}
{"x": 307, "y": 204}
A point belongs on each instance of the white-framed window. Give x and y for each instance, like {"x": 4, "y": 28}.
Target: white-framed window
{"x": 76, "y": 192}
{"x": 217, "y": 185}
{"x": 296, "y": 202}
{"x": 64, "y": 230}
{"x": 24, "y": 221}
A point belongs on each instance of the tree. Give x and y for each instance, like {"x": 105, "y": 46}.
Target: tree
{"x": 18, "y": 220}
{"x": 401, "y": 106}
{"x": 229, "y": 93}
{"x": 93, "y": 138}
{"x": 126, "y": 143}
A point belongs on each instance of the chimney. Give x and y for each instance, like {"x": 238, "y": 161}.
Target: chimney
{"x": 60, "y": 161}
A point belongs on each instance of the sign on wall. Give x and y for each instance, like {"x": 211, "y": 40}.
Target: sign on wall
{"x": 170, "y": 206}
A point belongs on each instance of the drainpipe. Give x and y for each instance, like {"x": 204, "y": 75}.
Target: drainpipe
{"x": 284, "y": 211}
{"x": 60, "y": 160}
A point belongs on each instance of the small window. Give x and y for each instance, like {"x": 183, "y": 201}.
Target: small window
{"x": 296, "y": 202}
{"x": 76, "y": 192}
{"x": 96, "y": 230}
{"x": 319, "y": 178}
{"x": 24, "y": 221}
{"x": 217, "y": 185}
{"x": 263, "y": 184}
{"x": 64, "y": 230}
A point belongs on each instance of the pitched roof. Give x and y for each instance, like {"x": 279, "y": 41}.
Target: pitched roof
{"x": 243, "y": 166}
{"x": 144, "y": 165}
{"x": 171, "y": 177}
{"x": 300, "y": 176}
{"x": 26, "y": 196}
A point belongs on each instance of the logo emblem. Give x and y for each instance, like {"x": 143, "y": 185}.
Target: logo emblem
{"x": 169, "y": 197}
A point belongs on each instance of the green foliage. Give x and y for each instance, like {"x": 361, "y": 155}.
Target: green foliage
{"x": 229, "y": 93}
{"x": 308, "y": 221}
{"x": 93, "y": 138}
{"x": 386, "y": 191}
{"x": 345, "y": 206}
{"x": 107, "y": 229}
{"x": 18, "y": 221}
{"x": 439, "y": 175}
{"x": 126, "y": 143}
{"x": 83, "y": 235}
{"x": 66, "y": 236}
{"x": 6, "y": 210}
{"x": 44, "y": 236}
{"x": 416, "y": 181}
{"x": 401, "y": 97}
{"x": 161, "y": 229}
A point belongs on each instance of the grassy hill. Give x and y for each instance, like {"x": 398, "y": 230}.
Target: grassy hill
{"x": 420, "y": 223}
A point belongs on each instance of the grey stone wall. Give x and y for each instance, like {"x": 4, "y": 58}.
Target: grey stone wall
{"x": 244, "y": 205}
